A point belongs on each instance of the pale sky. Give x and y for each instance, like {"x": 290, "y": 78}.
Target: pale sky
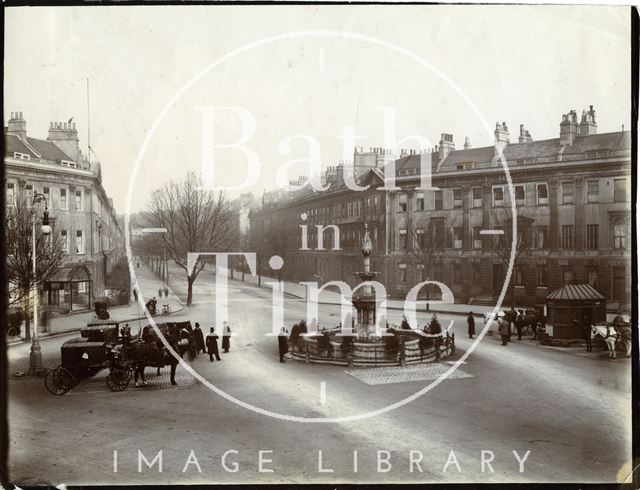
{"x": 518, "y": 64}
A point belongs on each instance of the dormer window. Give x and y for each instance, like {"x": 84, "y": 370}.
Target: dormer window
{"x": 596, "y": 153}
{"x": 21, "y": 156}
{"x": 68, "y": 163}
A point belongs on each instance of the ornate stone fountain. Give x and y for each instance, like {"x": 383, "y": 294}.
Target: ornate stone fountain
{"x": 364, "y": 299}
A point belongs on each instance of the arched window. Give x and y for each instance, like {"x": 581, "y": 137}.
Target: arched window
{"x": 619, "y": 234}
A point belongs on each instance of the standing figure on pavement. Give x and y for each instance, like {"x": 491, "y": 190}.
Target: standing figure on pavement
{"x": 226, "y": 337}
{"x": 504, "y": 328}
{"x": 512, "y": 320}
{"x": 212, "y": 345}
{"x": 472, "y": 325}
{"x": 586, "y": 333}
{"x": 166, "y": 292}
{"x": 199, "y": 339}
{"x": 519, "y": 324}
{"x": 160, "y": 293}
{"x": 283, "y": 345}
{"x": 135, "y": 295}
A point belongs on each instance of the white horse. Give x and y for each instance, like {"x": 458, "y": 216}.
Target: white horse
{"x": 612, "y": 337}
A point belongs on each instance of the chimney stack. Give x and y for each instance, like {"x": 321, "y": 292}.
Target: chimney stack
{"x": 445, "y": 146}
{"x": 501, "y": 140}
{"x": 17, "y": 125}
{"x": 501, "y": 134}
{"x": 568, "y": 128}
{"x": 588, "y": 123}
{"x": 65, "y": 137}
{"x": 467, "y": 143}
{"x": 525, "y": 135}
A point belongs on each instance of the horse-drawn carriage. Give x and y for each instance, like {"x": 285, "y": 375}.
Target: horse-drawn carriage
{"x": 103, "y": 345}
{"x": 149, "y": 350}
{"x": 616, "y": 335}
{"x": 82, "y": 357}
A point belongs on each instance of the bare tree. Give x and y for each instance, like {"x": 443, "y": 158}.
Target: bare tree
{"x": 196, "y": 220}
{"x": 19, "y": 266}
{"x": 502, "y": 244}
{"x": 149, "y": 249}
{"x": 428, "y": 244}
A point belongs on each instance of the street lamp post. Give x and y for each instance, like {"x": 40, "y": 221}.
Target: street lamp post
{"x": 35, "y": 357}
{"x": 103, "y": 258}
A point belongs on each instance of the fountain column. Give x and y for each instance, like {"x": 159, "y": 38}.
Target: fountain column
{"x": 365, "y": 303}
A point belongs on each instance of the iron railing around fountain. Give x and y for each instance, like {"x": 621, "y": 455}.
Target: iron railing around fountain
{"x": 375, "y": 354}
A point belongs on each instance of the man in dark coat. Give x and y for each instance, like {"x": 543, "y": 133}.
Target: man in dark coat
{"x": 212, "y": 345}
{"x": 199, "y": 339}
{"x": 226, "y": 337}
{"x": 586, "y": 332}
{"x": 283, "y": 345}
{"x": 519, "y": 323}
{"x": 471, "y": 323}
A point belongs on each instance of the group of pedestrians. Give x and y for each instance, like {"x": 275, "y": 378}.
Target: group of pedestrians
{"x": 164, "y": 291}
{"x": 210, "y": 344}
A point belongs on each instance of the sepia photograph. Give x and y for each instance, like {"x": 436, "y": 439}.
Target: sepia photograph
{"x": 320, "y": 244}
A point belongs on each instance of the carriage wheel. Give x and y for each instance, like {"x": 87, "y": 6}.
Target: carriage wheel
{"x": 59, "y": 381}
{"x": 118, "y": 379}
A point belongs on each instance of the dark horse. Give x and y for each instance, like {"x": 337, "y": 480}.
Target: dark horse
{"x": 151, "y": 351}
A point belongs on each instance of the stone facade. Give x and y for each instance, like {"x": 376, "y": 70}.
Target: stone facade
{"x": 573, "y": 205}
{"x": 78, "y": 205}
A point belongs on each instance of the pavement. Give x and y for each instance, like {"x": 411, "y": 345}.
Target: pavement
{"x": 520, "y": 397}
{"x": 331, "y": 297}
{"x": 297, "y": 290}
{"x": 148, "y": 283}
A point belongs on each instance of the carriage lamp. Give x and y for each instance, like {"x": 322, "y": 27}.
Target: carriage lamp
{"x": 85, "y": 356}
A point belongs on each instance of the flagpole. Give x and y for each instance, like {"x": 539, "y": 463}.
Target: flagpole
{"x": 88, "y": 126}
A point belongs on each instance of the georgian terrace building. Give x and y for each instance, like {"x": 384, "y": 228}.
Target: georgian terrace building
{"x": 79, "y": 208}
{"x": 573, "y": 208}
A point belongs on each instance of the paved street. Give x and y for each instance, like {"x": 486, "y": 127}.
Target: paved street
{"x": 563, "y": 405}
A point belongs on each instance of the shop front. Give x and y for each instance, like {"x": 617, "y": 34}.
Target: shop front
{"x": 69, "y": 290}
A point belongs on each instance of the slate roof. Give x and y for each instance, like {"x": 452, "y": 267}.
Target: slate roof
{"x": 576, "y": 292}
{"x": 15, "y": 144}
{"x": 612, "y": 141}
{"x": 46, "y": 149}
{"x": 542, "y": 150}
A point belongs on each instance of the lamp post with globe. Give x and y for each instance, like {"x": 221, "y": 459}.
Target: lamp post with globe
{"x": 35, "y": 358}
